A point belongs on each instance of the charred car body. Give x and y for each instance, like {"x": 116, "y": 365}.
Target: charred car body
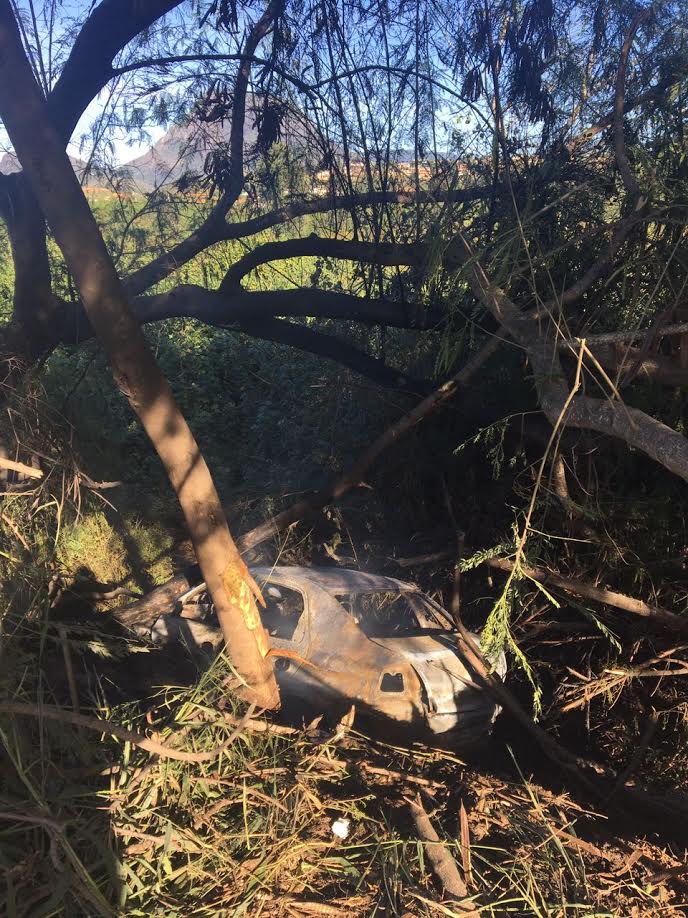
{"x": 342, "y": 637}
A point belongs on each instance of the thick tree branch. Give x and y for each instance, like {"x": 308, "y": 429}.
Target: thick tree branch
{"x": 379, "y": 253}
{"x": 625, "y": 335}
{"x": 217, "y": 308}
{"x": 219, "y": 230}
{"x": 637, "y": 429}
{"x": 255, "y": 314}
{"x": 236, "y": 137}
{"x": 650, "y": 368}
{"x": 333, "y": 348}
{"x": 35, "y": 306}
{"x": 109, "y": 29}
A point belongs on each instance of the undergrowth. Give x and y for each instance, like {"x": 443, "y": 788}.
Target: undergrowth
{"x": 107, "y": 828}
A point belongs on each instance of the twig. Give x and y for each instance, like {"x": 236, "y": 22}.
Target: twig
{"x": 9, "y": 522}
{"x": 13, "y": 466}
{"x": 69, "y": 668}
{"x": 50, "y": 824}
{"x": 129, "y": 736}
{"x": 597, "y": 594}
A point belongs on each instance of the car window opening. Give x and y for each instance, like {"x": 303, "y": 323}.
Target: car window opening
{"x": 385, "y": 614}
{"x": 283, "y": 609}
{"x": 392, "y": 682}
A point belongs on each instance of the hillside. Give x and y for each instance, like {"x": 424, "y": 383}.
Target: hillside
{"x": 182, "y": 150}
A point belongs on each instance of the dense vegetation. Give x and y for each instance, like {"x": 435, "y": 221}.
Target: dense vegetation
{"x": 428, "y": 187}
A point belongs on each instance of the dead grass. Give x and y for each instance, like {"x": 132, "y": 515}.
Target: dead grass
{"x": 92, "y": 826}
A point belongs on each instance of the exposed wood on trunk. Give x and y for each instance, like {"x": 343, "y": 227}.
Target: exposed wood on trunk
{"x": 145, "y": 611}
{"x": 48, "y": 170}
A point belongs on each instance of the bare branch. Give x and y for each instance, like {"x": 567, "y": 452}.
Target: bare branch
{"x": 596, "y": 270}
{"x": 443, "y": 864}
{"x": 333, "y": 348}
{"x": 376, "y": 252}
{"x": 654, "y": 94}
{"x": 647, "y": 367}
{"x": 217, "y": 308}
{"x": 355, "y": 475}
{"x": 597, "y": 594}
{"x": 619, "y": 337}
{"x": 236, "y": 138}
{"x": 636, "y": 428}
{"x": 622, "y": 161}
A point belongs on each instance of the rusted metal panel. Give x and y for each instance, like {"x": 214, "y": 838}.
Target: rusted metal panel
{"x": 418, "y": 680}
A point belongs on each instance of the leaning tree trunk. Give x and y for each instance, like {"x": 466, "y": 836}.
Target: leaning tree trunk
{"x": 48, "y": 170}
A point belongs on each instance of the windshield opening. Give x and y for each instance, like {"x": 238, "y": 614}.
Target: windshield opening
{"x": 385, "y": 614}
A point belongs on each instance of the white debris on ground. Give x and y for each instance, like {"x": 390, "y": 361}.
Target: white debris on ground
{"x": 341, "y": 827}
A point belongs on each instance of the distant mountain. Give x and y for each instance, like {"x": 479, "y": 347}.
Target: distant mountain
{"x": 183, "y": 149}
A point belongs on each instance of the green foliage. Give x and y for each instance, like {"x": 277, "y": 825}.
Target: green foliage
{"x": 491, "y": 439}
{"x": 497, "y": 634}
{"x": 6, "y": 276}
{"x": 115, "y": 551}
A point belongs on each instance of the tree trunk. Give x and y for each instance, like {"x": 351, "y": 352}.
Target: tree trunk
{"x": 52, "y": 179}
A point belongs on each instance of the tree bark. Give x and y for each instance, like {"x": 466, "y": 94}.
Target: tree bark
{"x": 40, "y": 150}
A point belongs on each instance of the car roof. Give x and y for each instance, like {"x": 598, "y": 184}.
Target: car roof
{"x": 333, "y": 580}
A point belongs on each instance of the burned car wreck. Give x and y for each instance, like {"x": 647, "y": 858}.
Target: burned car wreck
{"x": 343, "y": 637}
